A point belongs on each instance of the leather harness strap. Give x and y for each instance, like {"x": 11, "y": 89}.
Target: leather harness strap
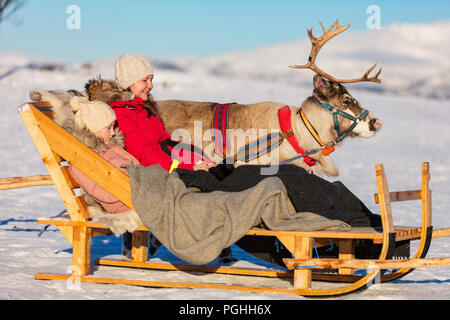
{"x": 327, "y": 148}
{"x": 284, "y": 119}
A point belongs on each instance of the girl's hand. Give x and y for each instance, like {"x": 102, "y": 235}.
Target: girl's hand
{"x": 203, "y": 166}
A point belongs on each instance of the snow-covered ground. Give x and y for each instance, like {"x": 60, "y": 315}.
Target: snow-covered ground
{"x": 415, "y": 129}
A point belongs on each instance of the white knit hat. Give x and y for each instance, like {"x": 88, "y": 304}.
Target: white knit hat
{"x": 93, "y": 115}
{"x": 130, "y": 69}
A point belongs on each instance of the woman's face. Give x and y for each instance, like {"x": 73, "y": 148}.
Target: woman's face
{"x": 142, "y": 87}
{"x": 106, "y": 133}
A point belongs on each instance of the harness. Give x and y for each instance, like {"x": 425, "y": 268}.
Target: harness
{"x": 327, "y": 148}
{"x": 284, "y": 118}
{"x": 219, "y": 126}
{"x": 337, "y": 112}
{"x": 246, "y": 153}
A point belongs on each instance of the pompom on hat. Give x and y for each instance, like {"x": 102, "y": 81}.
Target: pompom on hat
{"x": 130, "y": 69}
{"x": 93, "y": 115}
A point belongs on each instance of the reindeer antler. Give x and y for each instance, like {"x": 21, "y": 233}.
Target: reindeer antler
{"x": 316, "y": 45}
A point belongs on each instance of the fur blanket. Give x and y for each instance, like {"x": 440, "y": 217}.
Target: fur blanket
{"x": 196, "y": 226}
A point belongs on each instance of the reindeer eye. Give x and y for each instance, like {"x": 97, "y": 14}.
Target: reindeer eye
{"x": 347, "y": 100}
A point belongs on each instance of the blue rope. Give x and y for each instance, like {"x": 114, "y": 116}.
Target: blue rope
{"x": 315, "y": 248}
{"x": 317, "y": 255}
{"x": 332, "y": 246}
{"x": 277, "y": 245}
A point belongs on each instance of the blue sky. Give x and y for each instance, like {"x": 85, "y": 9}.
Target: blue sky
{"x": 167, "y": 28}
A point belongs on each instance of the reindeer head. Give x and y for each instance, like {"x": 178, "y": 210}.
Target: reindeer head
{"x": 329, "y": 90}
{"x": 334, "y": 94}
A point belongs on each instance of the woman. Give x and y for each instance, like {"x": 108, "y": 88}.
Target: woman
{"x": 138, "y": 119}
{"x": 145, "y": 135}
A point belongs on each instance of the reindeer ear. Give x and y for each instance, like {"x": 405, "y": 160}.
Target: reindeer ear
{"x": 318, "y": 82}
{"x": 321, "y": 87}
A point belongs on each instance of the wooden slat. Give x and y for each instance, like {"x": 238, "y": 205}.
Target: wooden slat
{"x": 302, "y": 250}
{"x": 346, "y": 251}
{"x": 402, "y": 233}
{"x": 366, "y": 264}
{"x": 304, "y": 292}
{"x": 257, "y": 231}
{"x": 193, "y": 268}
{"x": 139, "y": 251}
{"x": 439, "y": 233}
{"x": 356, "y": 233}
{"x": 71, "y": 180}
{"x": 81, "y": 252}
{"x": 385, "y": 201}
{"x": 161, "y": 284}
{"x": 402, "y": 196}
{"x": 65, "y": 222}
{"x": 426, "y": 196}
{"x": 23, "y": 182}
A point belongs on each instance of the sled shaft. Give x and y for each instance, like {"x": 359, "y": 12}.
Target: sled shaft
{"x": 23, "y": 182}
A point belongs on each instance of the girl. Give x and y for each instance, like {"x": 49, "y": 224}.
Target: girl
{"x": 95, "y": 123}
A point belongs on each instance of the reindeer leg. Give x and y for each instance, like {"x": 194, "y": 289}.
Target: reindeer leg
{"x": 327, "y": 165}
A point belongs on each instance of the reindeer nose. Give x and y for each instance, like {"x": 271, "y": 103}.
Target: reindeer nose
{"x": 375, "y": 124}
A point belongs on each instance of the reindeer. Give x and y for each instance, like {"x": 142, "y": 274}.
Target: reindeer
{"x": 319, "y": 124}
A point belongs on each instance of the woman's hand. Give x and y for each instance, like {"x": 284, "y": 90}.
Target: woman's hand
{"x": 203, "y": 166}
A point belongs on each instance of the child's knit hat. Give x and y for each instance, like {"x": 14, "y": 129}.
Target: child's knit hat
{"x": 93, "y": 115}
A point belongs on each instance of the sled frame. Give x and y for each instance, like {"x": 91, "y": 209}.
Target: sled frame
{"x": 57, "y": 148}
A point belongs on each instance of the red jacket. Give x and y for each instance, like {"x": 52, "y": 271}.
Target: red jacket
{"x": 143, "y": 134}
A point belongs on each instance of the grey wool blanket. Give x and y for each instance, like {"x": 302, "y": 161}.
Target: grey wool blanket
{"x": 196, "y": 226}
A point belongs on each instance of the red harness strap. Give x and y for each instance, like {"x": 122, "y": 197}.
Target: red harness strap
{"x": 284, "y": 119}
{"x": 219, "y": 125}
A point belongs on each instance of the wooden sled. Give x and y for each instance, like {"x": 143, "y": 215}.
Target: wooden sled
{"x": 57, "y": 147}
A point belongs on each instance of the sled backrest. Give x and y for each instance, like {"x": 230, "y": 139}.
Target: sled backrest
{"x": 423, "y": 194}
{"x": 55, "y": 146}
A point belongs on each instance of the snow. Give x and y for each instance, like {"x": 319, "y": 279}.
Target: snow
{"x": 413, "y": 104}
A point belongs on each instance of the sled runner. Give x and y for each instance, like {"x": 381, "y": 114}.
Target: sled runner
{"x": 57, "y": 147}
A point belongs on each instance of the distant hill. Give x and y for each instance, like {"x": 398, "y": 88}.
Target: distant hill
{"x": 414, "y": 58}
